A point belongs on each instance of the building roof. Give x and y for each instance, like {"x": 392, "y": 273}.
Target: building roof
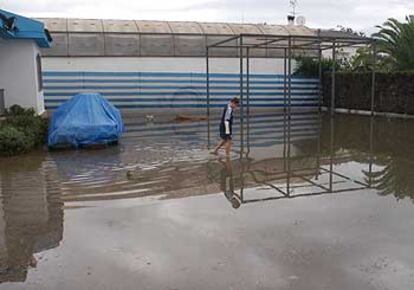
{"x": 104, "y": 37}
{"x": 13, "y": 26}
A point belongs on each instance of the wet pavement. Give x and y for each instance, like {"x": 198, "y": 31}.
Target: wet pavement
{"x": 311, "y": 203}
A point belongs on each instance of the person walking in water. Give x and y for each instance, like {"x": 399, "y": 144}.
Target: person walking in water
{"x": 226, "y": 124}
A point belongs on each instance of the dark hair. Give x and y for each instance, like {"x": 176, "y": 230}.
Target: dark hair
{"x": 235, "y": 100}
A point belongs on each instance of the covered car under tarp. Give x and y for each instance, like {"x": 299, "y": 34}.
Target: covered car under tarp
{"x": 86, "y": 119}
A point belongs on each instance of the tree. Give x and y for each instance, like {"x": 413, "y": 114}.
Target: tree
{"x": 396, "y": 41}
{"x": 309, "y": 67}
{"x": 364, "y": 58}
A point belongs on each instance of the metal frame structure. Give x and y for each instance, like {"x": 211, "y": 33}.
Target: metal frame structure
{"x": 312, "y": 45}
{"x": 291, "y": 46}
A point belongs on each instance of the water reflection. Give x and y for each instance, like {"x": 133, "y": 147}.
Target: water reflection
{"x": 301, "y": 172}
{"x": 31, "y": 214}
{"x": 390, "y": 146}
{"x": 227, "y": 182}
{"x": 277, "y": 156}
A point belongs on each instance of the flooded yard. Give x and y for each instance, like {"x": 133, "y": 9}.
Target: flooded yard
{"x": 307, "y": 203}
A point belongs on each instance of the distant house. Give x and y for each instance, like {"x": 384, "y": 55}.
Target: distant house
{"x": 20, "y": 60}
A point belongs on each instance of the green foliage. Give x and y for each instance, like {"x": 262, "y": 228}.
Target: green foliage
{"x": 363, "y": 60}
{"x": 16, "y": 110}
{"x": 13, "y": 141}
{"x": 309, "y": 67}
{"x": 21, "y": 131}
{"x": 33, "y": 126}
{"x": 396, "y": 42}
{"x": 395, "y": 46}
{"x": 349, "y": 30}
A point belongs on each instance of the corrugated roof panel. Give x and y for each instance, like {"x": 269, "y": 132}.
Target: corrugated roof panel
{"x": 86, "y": 44}
{"x": 90, "y": 37}
{"x": 185, "y": 27}
{"x": 59, "y": 45}
{"x": 296, "y": 30}
{"x": 55, "y": 24}
{"x": 85, "y": 25}
{"x": 216, "y": 28}
{"x": 156, "y": 45}
{"x": 153, "y": 26}
{"x": 121, "y": 44}
{"x": 273, "y": 29}
{"x": 218, "y": 51}
{"x": 188, "y": 45}
{"x": 123, "y": 26}
{"x": 245, "y": 28}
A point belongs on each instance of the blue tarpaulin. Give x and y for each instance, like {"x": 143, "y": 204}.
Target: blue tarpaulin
{"x": 86, "y": 119}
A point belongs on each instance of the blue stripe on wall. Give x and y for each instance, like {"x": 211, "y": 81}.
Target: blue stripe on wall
{"x": 175, "y": 90}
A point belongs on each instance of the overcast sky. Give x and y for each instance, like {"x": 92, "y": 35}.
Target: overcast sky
{"x": 359, "y": 14}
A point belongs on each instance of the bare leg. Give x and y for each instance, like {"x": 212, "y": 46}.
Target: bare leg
{"x": 222, "y": 142}
{"x": 228, "y": 147}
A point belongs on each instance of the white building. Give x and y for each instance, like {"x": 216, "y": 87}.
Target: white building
{"x": 20, "y": 61}
{"x": 152, "y": 65}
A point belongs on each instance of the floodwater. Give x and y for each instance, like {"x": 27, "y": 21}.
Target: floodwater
{"x": 310, "y": 203}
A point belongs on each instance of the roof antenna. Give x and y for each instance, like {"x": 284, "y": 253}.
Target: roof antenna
{"x": 292, "y": 15}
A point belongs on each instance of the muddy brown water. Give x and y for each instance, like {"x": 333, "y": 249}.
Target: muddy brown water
{"x": 314, "y": 203}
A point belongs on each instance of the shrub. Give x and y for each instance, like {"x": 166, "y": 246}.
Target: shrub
{"x": 13, "y": 141}
{"x": 309, "y": 67}
{"x": 33, "y": 126}
{"x": 21, "y": 131}
{"x": 16, "y": 110}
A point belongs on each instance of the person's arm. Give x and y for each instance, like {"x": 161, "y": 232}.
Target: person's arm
{"x": 227, "y": 118}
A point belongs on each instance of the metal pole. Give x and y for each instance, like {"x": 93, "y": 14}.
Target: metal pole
{"x": 371, "y": 149}
{"x": 331, "y": 153}
{"x": 333, "y": 78}
{"x": 289, "y": 77}
{"x": 320, "y": 79}
{"x": 289, "y": 112}
{"x": 288, "y": 160}
{"x": 208, "y": 96}
{"x": 318, "y": 156}
{"x": 248, "y": 97}
{"x": 241, "y": 99}
{"x": 371, "y": 124}
{"x": 318, "y": 145}
{"x": 285, "y": 80}
{"x": 374, "y": 62}
{"x": 284, "y": 107}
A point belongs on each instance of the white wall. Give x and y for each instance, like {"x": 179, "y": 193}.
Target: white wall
{"x": 18, "y": 74}
{"x": 168, "y": 91}
{"x": 159, "y": 64}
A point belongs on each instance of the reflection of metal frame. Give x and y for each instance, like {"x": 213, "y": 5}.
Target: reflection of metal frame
{"x": 288, "y": 173}
{"x": 288, "y": 43}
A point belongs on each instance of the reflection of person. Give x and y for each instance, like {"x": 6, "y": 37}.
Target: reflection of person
{"x": 226, "y": 126}
{"x": 227, "y": 182}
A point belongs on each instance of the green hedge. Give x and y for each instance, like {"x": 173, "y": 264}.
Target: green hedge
{"x": 21, "y": 131}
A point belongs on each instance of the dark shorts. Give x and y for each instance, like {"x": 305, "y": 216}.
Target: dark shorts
{"x": 223, "y": 135}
